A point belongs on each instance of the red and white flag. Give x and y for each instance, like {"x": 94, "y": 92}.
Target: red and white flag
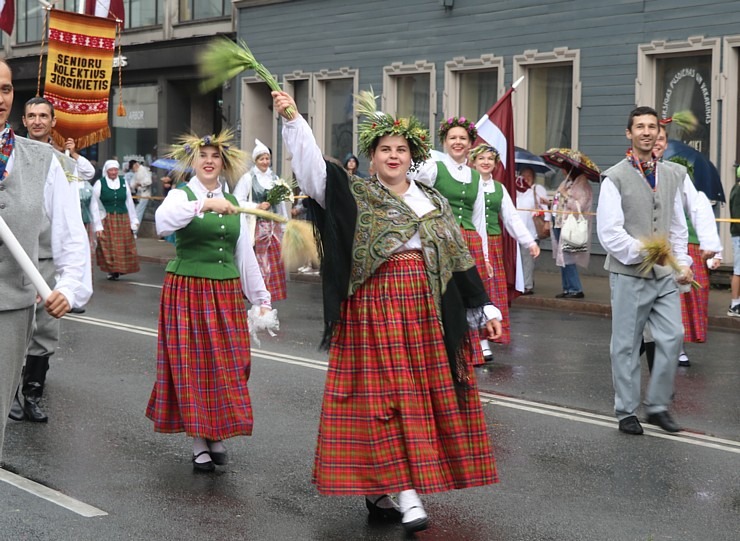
{"x": 7, "y": 15}
{"x": 111, "y": 9}
{"x": 496, "y": 128}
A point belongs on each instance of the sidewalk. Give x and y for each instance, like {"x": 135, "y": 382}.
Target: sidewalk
{"x": 547, "y": 285}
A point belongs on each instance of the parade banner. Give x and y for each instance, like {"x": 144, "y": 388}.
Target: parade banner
{"x": 79, "y": 66}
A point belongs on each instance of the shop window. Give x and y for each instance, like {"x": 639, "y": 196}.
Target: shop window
{"x": 678, "y": 76}
{"x": 143, "y": 13}
{"x": 472, "y": 86}
{"x": 409, "y": 90}
{"x": 136, "y": 133}
{"x": 193, "y": 10}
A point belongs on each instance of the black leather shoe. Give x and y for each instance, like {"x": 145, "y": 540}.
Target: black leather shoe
{"x": 76, "y": 310}
{"x": 203, "y": 466}
{"x": 220, "y": 459}
{"x": 389, "y": 511}
{"x": 33, "y": 411}
{"x": 561, "y": 295}
{"x": 16, "y": 409}
{"x": 664, "y": 420}
{"x": 630, "y": 425}
{"x": 575, "y": 295}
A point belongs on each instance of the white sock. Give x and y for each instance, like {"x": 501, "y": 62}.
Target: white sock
{"x": 411, "y": 506}
{"x": 485, "y": 346}
{"x": 216, "y": 446}
{"x": 200, "y": 445}
{"x": 734, "y": 303}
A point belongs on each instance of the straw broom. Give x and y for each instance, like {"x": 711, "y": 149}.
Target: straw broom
{"x": 658, "y": 252}
{"x": 223, "y": 60}
{"x": 299, "y": 244}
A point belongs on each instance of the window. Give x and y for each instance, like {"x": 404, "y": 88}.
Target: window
{"x": 142, "y": 13}
{"x": 193, "y": 10}
{"x": 547, "y": 117}
{"x": 472, "y": 86}
{"x": 29, "y": 20}
{"x": 677, "y": 76}
{"x": 334, "y": 124}
{"x": 409, "y": 90}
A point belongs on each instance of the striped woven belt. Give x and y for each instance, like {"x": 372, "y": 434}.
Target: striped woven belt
{"x": 409, "y": 255}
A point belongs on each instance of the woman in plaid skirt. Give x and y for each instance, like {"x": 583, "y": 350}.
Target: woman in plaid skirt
{"x": 116, "y": 250}
{"x": 203, "y": 356}
{"x": 460, "y": 185}
{"x": 251, "y": 191}
{"x": 499, "y": 204}
{"x": 401, "y": 411}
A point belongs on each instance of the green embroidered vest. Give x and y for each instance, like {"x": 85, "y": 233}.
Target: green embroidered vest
{"x": 460, "y": 196}
{"x": 493, "y": 208}
{"x": 114, "y": 201}
{"x": 205, "y": 247}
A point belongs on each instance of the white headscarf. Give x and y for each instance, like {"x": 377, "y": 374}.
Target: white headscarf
{"x": 259, "y": 149}
{"x": 110, "y": 164}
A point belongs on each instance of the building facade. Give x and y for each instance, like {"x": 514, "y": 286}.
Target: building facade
{"x": 160, "y": 43}
{"x": 585, "y": 64}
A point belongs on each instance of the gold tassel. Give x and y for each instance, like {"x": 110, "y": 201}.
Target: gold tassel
{"x": 121, "y": 111}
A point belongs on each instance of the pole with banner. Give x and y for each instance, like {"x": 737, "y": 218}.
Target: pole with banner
{"x": 496, "y": 128}
{"x": 78, "y": 76}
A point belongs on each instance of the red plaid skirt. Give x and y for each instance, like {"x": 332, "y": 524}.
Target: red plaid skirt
{"x": 267, "y": 250}
{"x": 203, "y": 360}
{"x": 391, "y": 419}
{"x": 496, "y": 286}
{"x": 695, "y": 303}
{"x": 475, "y": 247}
{"x": 116, "y": 251}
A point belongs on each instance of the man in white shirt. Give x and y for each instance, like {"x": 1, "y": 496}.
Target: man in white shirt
{"x": 640, "y": 197}
{"x": 39, "y": 119}
{"x": 34, "y": 189}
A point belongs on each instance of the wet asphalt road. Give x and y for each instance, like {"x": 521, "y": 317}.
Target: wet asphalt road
{"x": 566, "y": 472}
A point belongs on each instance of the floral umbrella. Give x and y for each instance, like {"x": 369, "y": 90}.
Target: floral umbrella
{"x": 563, "y": 157}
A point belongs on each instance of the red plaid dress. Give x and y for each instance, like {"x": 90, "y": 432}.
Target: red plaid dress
{"x": 116, "y": 251}
{"x": 496, "y": 287}
{"x": 203, "y": 360}
{"x": 695, "y": 303}
{"x": 391, "y": 418}
{"x": 267, "y": 250}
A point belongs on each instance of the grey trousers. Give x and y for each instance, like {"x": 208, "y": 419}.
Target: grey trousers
{"x": 16, "y": 328}
{"x": 46, "y": 328}
{"x": 635, "y": 303}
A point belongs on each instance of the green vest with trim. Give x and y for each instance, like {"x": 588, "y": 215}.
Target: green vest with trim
{"x": 114, "y": 201}
{"x": 205, "y": 247}
{"x": 493, "y": 208}
{"x": 460, "y": 196}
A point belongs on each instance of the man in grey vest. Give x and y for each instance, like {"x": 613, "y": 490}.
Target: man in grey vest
{"x": 640, "y": 197}
{"x": 34, "y": 188}
{"x": 39, "y": 119}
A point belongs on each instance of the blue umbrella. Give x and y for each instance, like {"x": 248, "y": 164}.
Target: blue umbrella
{"x": 706, "y": 176}
{"x": 169, "y": 164}
{"x": 526, "y": 158}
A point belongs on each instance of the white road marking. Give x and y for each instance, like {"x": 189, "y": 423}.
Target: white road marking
{"x": 142, "y": 284}
{"x": 50, "y": 495}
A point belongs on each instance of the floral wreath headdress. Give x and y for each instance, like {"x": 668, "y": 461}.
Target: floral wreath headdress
{"x": 482, "y": 148}
{"x": 188, "y": 146}
{"x": 459, "y": 122}
{"x": 376, "y": 124}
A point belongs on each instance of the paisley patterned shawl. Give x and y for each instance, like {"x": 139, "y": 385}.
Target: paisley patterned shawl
{"x": 385, "y": 222}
